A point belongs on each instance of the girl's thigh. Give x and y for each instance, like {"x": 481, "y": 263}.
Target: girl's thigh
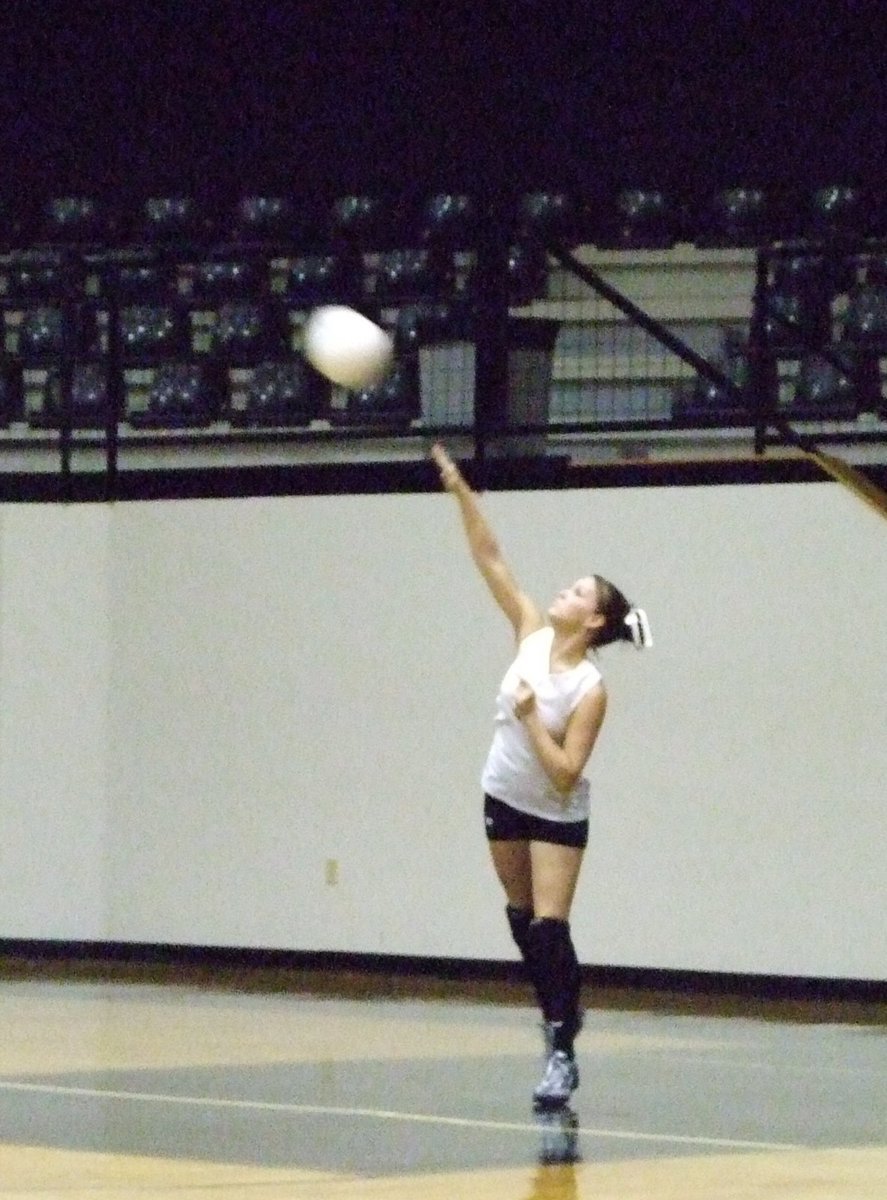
{"x": 511, "y": 860}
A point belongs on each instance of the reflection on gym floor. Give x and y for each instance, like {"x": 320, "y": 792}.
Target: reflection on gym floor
{"x": 133, "y": 1090}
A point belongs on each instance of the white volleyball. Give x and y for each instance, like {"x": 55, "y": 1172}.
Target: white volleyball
{"x": 347, "y": 347}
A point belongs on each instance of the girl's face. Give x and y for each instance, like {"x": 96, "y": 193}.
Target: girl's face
{"x": 577, "y": 604}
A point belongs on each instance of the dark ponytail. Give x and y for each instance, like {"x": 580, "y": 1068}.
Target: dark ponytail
{"x": 622, "y": 622}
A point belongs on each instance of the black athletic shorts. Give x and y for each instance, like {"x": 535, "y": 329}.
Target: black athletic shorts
{"x": 506, "y": 824}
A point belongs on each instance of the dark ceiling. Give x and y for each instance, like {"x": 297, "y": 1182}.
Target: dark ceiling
{"x": 327, "y": 98}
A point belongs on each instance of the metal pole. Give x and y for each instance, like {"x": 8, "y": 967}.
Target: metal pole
{"x": 69, "y": 314}
{"x": 114, "y": 367}
{"x": 490, "y": 326}
{"x": 762, "y": 378}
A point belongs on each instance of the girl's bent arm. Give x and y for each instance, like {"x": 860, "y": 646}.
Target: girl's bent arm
{"x": 563, "y": 762}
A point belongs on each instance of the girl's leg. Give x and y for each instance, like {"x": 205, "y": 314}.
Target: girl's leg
{"x": 512, "y": 863}
{"x": 555, "y": 871}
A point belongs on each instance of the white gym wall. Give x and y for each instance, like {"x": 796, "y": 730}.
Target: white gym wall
{"x": 261, "y": 723}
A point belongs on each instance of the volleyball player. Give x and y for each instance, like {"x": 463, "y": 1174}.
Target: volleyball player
{"x": 549, "y": 711}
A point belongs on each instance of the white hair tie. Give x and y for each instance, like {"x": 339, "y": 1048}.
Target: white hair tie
{"x": 641, "y": 635}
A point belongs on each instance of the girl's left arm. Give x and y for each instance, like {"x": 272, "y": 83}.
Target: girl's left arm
{"x": 563, "y": 762}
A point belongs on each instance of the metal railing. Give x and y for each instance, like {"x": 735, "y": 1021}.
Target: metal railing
{"x": 508, "y": 344}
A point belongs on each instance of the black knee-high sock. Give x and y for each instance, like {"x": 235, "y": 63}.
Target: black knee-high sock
{"x": 519, "y": 921}
{"x": 556, "y": 972}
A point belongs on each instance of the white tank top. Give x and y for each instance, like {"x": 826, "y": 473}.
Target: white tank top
{"x": 512, "y": 772}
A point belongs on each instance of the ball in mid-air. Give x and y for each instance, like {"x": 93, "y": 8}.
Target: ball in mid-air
{"x": 347, "y": 347}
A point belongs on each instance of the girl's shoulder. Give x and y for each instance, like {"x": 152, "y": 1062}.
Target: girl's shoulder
{"x": 536, "y": 644}
{"x": 543, "y": 634}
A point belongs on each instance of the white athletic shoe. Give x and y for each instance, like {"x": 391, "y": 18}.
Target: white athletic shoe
{"x": 560, "y": 1080}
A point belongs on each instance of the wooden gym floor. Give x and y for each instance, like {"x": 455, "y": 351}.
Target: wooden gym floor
{"x": 125, "y": 1090}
